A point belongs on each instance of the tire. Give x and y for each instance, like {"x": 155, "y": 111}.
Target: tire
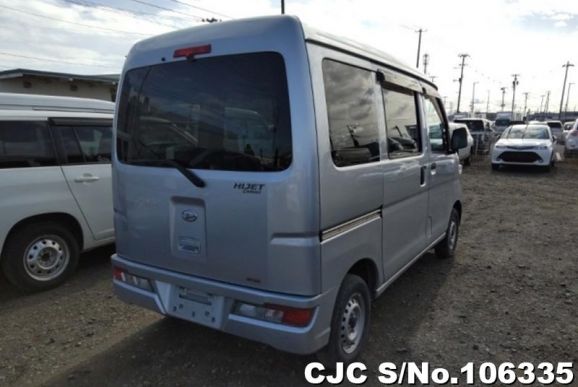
{"x": 468, "y": 161}
{"x": 495, "y": 167}
{"x": 446, "y": 248}
{"x": 40, "y": 256}
{"x": 353, "y": 297}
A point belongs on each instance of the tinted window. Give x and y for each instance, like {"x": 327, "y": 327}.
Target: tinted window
{"x": 435, "y": 125}
{"x": 553, "y": 125}
{"x": 353, "y": 129}
{"x": 474, "y": 125}
{"x": 25, "y": 144}
{"x": 86, "y": 144}
{"x": 227, "y": 113}
{"x": 502, "y": 122}
{"x": 403, "y": 134}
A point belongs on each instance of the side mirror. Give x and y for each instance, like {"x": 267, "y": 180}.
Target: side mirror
{"x": 459, "y": 139}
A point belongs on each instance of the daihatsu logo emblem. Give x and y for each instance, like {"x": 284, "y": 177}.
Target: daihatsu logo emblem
{"x": 189, "y": 216}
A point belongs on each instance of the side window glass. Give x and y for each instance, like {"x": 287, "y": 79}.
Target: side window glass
{"x": 25, "y": 144}
{"x": 95, "y": 143}
{"x": 70, "y": 145}
{"x": 86, "y": 144}
{"x": 403, "y": 133}
{"x": 435, "y": 125}
{"x": 353, "y": 127}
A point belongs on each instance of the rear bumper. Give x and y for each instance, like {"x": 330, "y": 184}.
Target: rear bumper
{"x": 300, "y": 340}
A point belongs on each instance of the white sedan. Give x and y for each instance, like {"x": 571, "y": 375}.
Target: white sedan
{"x": 531, "y": 144}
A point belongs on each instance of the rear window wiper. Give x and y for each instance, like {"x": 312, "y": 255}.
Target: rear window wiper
{"x": 190, "y": 175}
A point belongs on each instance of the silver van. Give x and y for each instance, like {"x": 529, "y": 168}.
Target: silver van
{"x": 55, "y": 185}
{"x": 271, "y": 180}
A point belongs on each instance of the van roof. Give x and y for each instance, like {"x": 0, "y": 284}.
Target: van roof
{"x": 42, "y": 115}
{"x": 282, "y": 25}
{"x": 16, "y": 101}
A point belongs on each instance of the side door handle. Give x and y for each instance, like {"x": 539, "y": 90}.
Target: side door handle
{"x": 86, "y": 178}
{"x": 422, "y": 173}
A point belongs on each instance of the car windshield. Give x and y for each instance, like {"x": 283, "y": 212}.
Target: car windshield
{"x": 502, "y": 122}
{"x": 473, "y": 125}
{"x": 528, "y": 132}
{"x": 223, "y": 113}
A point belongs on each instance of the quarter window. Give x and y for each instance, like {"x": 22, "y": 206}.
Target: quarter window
{"x": 25, "y": 144}
{"x": 352, "y": 115}
{"x": 403, "y": 133}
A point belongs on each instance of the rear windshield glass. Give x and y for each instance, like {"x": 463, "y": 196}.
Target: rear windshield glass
{"x": 473, "y": 125}
{"x": 555, "y": 125}
{"x": 224, "y": 113}
{"x": 502, "y": 122}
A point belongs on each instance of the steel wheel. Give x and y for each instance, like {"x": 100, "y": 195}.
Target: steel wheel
{"x": 46, "y": 258}
{"x": 352, "y": 323}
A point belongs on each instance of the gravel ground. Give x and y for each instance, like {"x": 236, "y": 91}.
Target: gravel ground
{"x": 510, "y": 295}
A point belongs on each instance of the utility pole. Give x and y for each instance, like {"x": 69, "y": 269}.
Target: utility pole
{"x": 463, "y": 56}
{"x": 568, "y": 97}
{"x": 473, "y": 105}
{"x": 547, "y": 105}
{"x": 541, "y": 103}
{"x": 567, "y": 65}
{"x": 425, "y": 62}
{"x": 514, "y": 84}
{"x": 282, "y": 7}
{"x": 525, "y": 104}
{"x": 445, "y": 100}
{"x": 433, "y": 78}
{"x": 488, "y": 102}
{"x": 420, "y": 32}
{"x": 503, "y": 97}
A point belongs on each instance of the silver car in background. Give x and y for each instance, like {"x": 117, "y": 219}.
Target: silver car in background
{"x": 55, "y": 185}
{"x": 261, "y": 189}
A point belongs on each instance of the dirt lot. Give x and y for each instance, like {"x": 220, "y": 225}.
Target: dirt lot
{"x": 510, "y": 295}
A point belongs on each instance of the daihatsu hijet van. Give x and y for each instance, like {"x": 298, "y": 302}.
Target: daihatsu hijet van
{"x": 271, "y": 180}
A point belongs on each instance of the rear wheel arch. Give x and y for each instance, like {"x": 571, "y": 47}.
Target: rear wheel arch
{"x": 64, "y": 219}
{"x": 367, "y": 270}
{"x": 458, "y": 207}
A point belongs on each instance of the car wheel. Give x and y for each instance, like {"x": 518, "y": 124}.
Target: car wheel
{"x": 446, "y": 248}
{"x": 468, "y": 160}
{"x": 40, "y": 256}
{"x": 349, "y": 324}
{"x": 495, "y": 167}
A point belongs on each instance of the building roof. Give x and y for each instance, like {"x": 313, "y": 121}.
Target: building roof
{"x": 19, "y": 73}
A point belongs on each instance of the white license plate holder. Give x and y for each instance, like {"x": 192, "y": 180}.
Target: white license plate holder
{"x": 197, "y": 306}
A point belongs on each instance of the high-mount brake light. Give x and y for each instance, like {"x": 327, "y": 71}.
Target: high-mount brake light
{"x": 192, "y": 51}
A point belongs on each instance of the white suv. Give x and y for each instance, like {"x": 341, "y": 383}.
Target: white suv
{"x": 55, "y": 192}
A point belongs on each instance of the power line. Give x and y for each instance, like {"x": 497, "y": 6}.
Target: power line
{"x": 201, "y": 8}
{"x": 52, "y": 60}
{"x": 70, "y": 22}
{"x": 199, "y": 18}
{"x": 86, "y": 3}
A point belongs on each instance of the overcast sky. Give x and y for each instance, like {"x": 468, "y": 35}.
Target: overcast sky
{"x": 533, "y": 38}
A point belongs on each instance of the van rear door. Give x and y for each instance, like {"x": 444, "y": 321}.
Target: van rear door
{"x": 226, "y": 120}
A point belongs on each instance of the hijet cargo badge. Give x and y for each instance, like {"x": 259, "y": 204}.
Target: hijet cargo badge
{"x": 251, "y": 188}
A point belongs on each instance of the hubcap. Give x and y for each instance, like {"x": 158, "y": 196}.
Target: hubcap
{"x": 453, "y": 234}
{"x": 352, "y": 323}
{"x": 46, "y": 258}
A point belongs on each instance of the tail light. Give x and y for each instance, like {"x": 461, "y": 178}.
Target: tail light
{"x": 123, "y": 276}
{"x": 279, "y": 314}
